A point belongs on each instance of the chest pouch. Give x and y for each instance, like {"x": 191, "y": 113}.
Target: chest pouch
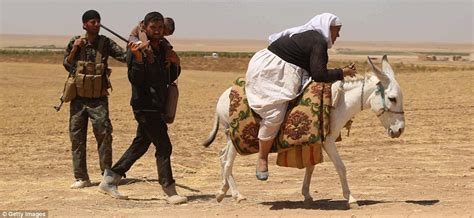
{"x": 92, "y": 77}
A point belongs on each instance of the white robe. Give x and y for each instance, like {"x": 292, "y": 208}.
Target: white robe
{"x": 270, "y": 84}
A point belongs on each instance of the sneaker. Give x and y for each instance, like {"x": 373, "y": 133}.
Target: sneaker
{"x": 79, "y": 183}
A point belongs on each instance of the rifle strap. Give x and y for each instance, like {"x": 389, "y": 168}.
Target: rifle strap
{"x": 100, "y": 49}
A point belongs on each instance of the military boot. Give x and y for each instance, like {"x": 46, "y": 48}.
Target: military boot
{"x": 172, "y": 195}
{"x": 109, "y": 184}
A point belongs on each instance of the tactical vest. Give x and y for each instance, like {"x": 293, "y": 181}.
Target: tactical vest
{"x": 92, "y": 78}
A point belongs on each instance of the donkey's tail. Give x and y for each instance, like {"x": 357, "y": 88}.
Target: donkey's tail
{"x": 213, "y": 133}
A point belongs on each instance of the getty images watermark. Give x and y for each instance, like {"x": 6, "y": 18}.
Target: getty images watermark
{"x": 23, "y": 213}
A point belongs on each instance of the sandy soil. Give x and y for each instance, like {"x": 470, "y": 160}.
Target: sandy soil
{"x": 427, "y": 172}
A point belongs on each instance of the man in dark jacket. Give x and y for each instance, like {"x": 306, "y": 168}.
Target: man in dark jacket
{"x": 149, "y": 81}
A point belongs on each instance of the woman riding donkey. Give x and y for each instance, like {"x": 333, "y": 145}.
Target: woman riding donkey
{"x": 275, "y": 75}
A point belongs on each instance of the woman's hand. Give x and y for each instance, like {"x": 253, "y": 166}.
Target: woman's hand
{"x": 349, "y": 70}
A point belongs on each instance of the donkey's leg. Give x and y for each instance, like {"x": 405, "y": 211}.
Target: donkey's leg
{"x": 225, "y": 185}
{"x": 330, "y": 148}
{"x": 231, "y": 155}
{"x": 306, "y": 183}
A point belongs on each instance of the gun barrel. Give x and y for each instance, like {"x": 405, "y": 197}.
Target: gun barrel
{"x": 58, "y": 107}
{"x": 61, "y": 101}
{"x": 116, "y": 34}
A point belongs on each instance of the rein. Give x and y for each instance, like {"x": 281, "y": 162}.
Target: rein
{"x": 361, "y": 93}
{"x": 381, "y": 91}
{"x": 362, "y": 96}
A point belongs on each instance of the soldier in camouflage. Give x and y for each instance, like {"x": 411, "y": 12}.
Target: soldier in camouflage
{"x": 86, "y": 59}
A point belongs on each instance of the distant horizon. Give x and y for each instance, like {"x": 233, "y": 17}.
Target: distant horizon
{"x": 104, "y": 32}
{"x": 368, "y": 20}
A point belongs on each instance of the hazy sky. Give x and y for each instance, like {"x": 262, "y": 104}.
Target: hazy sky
{"x": 363, "y": 20}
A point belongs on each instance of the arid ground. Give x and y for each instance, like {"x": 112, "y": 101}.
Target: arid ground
{"x": 428, "y": 171}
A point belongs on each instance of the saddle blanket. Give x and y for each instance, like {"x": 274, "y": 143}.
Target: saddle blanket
{"x": 301, "y": 134}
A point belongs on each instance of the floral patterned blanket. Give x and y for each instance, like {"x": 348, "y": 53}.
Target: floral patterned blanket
{"x": 302, "y": 133}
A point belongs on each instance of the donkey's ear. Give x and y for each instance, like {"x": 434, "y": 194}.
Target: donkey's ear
{"x": 378, "y": 73}
{"x": 387, "y": 68}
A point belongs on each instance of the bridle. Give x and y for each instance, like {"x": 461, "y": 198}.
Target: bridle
{"x": 381, "y": 91}
{"x": 362, "y": 96}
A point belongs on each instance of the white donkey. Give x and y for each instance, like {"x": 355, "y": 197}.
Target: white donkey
{"x": 379, "y": 91}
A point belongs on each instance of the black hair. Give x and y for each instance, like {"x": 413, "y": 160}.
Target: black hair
{"x": 152, "y": 16}
{"x": 89, "y": 15}
{"x": 169, "y": 24}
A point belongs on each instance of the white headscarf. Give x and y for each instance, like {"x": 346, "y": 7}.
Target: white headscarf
{"x": 320, "y": 23}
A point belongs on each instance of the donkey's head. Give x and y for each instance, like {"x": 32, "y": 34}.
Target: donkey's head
{"x": 387, "y": 100}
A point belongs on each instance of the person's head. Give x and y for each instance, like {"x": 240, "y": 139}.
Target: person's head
{"x": 154, "y": 25}
{"x": 169, "y": 26}
{"x": 334, "y": 33}
{"x": 91, "y": 21}
{"x": 335, "y": 28}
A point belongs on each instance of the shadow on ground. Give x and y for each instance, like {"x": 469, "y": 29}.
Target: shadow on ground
{"x": 191, "y": 198}
{"x": 329, "y": 204}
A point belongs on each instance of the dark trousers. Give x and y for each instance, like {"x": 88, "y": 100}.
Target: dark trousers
{"x": 97, "y": 109}
{"x": 151, "y": 129}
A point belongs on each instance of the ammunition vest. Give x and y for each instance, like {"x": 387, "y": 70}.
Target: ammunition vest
{"x": 92, "y": 78}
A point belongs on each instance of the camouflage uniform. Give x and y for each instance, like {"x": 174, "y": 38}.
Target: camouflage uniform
{"x": 97, "y": 109}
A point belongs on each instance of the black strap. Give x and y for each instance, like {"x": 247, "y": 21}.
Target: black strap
{"x": 83, "y": 48}
{"x": 100, "y": 49}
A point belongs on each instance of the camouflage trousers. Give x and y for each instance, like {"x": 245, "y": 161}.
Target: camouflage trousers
{"x": 97, "y": 109}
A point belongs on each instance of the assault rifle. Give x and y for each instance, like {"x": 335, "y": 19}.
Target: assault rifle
{"x": 115, "y": 34}
{"x": 69, "y": 92}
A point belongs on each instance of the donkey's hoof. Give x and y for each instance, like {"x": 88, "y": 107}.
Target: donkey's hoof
{"x": 308, "y": 201}
{"x": 239, "y": 198}
{"x": 220, "y": 196}
{"x": 352, "y": 205}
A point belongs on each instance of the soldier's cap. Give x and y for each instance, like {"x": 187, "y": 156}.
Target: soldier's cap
{"x": 89, "y": 15}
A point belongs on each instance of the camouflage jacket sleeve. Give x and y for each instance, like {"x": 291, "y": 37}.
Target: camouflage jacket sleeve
{"x": 117, "y": 52}
{"x": 70, "y": 67}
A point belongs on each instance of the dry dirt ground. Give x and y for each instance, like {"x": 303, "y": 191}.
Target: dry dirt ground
{"x": 428, "y": 172}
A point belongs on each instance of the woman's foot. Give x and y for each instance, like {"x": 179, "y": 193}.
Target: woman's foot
{"x": 262, "y": 169}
